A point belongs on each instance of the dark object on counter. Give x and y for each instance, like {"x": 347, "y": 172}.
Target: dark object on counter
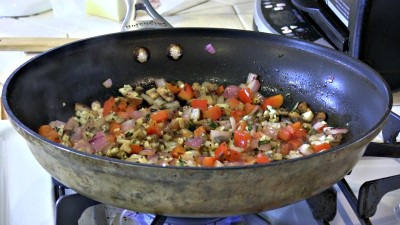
{"x": 371, "y": 35}
{"x": 364, "y": 29}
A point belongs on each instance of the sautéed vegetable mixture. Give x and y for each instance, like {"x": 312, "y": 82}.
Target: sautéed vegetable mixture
{"x": 208, "y": 125}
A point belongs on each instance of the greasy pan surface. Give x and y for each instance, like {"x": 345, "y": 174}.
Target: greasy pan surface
{"x": 47, "y": 87}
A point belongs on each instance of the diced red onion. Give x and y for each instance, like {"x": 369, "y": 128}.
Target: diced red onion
{"x": 138, "y": 114}
{"x": 218, "y": 164}
{"x": 254, "y": 110}
{"x": 270, "y": 131}
{"x": 226, "y": 124}
{"x": 251, "y": 77}
{"x": 265, "y": 147}
{"x": 173, "y": 162}
{"x": 160, "y": 82}
{"x": 210, "y": 49}
{"x": 77, "y": 134}
{"x": 231, "y": 91}
{"x": 84, "y": 146}
{"x": 194, "y": 143}
{"x": 127, "y": 125}
{"x": 253, "y": 144}
{"x": 306, "y": 149}
{"x": 99, "y": 142}
{"x": 319, "y": 125}
{"x": 333, "y": 131}
{"x": 107, "y": 83}
{"x": 57, "y": 123}
{"x": 254, "y": 86}
{"x": 71, "y": 124}
{"x": 233, "y": 122}
{"x": 153, "y": 159}
{"x": 238, "y": 149}
{"x": 147, "y": 152}
{"x": 218, "y": 133}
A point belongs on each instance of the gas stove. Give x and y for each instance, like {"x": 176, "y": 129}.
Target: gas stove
{"x": 30, "y": 196}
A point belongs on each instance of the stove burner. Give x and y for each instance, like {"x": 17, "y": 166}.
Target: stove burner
{"x": 98, "y": 214}
{"x": 77, "y": 209}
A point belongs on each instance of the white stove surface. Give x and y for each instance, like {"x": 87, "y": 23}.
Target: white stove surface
{"x": 26, "y": 195}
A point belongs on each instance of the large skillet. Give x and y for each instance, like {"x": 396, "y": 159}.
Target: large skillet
{"x": 47, "y": 87}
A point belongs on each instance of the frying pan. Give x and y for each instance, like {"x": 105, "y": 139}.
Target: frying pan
{"x": 47, "y": 87}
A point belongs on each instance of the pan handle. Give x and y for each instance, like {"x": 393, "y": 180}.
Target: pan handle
{"x": 131, "y": 24}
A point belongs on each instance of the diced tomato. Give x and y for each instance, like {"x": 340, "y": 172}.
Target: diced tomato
{"x": 285, "y": 148}
{"x": 321, "y": 147}
{"x": 49, "y": 132}
{"x": 115, "y": 129}
{"x": 295, "y": 143}
{"x": 111, "y": 138}
{"x": 221, "y": 150}
{"x": 248, "y": 108}
{"x": 130, "y": 108}
{"x": 220, "y": 90}
{"x": 284, "y": 134}
{"x": 201, "y": 104}
{"x": 153, "y": 128}
{"x": 186, "y": 93}
{"x": 177, "y": 151}
{"x": 233, "y": 156}
{"x": 135, "y": 149}
{"x": 296, "y": 125}
{"x": 241, "y": 138}
{"x": 122, "y": 104}
{"x": 245, "y": 95}
{"x": 208, "y": 161}
{"x": 123, "y": 115}
{"x": 241, "y": 125}
{"x": 172, "y": 88}
{"x": 262, "y": 159}
{"x": 160, "y": 116}
{"x": 235, "y": 104}
{"x": 135, "y": 101}
{"x": 109, "y": 106}
{"x": 199, "y": 131}
{"x": 275, "y": 101}
{"x": 257, "y": 135}
{"x": 213, "y": 113}
{"x": 300, "y": 133}
{"x": 237, "y": 115}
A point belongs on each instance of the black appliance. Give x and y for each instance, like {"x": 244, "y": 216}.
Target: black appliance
{"x": 368, "y": 30}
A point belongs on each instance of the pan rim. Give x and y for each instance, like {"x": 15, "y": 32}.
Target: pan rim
{"x": 302, "y": 45}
